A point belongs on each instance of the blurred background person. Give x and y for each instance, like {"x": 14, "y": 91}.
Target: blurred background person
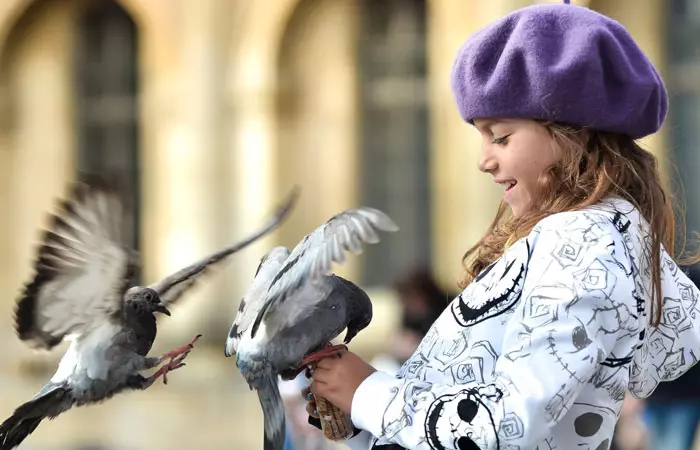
{"x": 672, "y": 413}
{"x": 421, "y": 301}
{"x": 669, "y": 418}
{"x": 300, "y": 435}
{"x": 631, "y": 432}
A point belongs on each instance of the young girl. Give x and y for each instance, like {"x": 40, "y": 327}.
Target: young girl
{"x": 572, "y": 298}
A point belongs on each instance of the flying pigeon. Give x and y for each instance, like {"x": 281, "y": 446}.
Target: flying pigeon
{"x": 81, "y": 291}
{"x": 295, "y": 306}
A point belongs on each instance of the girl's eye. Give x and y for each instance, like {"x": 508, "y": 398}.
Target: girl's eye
{"x": 500, "y": 140}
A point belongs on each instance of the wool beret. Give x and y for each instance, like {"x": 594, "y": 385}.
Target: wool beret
{"x": 563, "y": 63}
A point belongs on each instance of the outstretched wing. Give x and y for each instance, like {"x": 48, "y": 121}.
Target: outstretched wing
{"x": 314, "y": 255}
{"x": 172, "y": 287}
{"x": 254, "y": 298}
{"x": 81, "y": 270}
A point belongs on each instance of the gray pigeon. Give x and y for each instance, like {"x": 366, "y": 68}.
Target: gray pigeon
{"x": 296, "y": 306}
{"x": 82, "y": 291}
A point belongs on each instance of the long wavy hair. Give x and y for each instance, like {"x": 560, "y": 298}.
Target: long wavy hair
{"x": 593, "y": 165}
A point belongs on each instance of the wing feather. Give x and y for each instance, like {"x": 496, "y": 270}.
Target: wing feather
{"x": 254, "y": 298}
{"x": 81, "y": 269}
{"x": 314, "y": 255}
{"x": 172, "y": 287}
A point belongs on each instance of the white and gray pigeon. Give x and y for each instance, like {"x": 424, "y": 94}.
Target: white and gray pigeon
{"x": 82, "y": 291}
{"x": 295, "y": 306}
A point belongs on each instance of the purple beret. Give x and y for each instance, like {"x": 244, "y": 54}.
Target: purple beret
{"x": 562, "y": 63}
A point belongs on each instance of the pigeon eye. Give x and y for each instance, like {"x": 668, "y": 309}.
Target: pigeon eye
{"x": 149, "y": 296}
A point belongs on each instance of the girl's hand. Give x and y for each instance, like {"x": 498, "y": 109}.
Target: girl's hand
{"x": 337, "y": 378}
{"x": 310, "y": 402}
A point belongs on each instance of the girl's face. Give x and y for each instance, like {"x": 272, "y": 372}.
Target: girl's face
{"x": 516, "y": 152}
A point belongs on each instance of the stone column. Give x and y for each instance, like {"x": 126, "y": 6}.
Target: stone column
{"x": 185, "y": 194}
{"x": 316, "y": 143}
{"x": 250, "y": 136}
{"x": 464, "y": 200}
{"x": 39, "y": 145}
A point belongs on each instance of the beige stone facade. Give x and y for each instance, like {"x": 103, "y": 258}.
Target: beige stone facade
{"x": 237, "y": 101}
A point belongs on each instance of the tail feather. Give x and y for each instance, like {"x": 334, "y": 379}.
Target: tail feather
{"x": 273, "y": 413}
{"x": 29, "y": 415}
{"x": 18, "y": 433}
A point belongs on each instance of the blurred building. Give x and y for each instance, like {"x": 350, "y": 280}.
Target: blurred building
{"x": 209, "y": 111}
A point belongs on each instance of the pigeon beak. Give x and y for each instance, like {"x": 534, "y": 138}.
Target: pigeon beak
{"x": 161, "y": 309}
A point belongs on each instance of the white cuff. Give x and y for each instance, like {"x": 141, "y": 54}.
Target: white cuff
{"x": 371, "y": 400}
{"x": 360, "y": 442}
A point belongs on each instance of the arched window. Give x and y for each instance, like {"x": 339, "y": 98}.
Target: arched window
{"x": 394, "y": 141}
{"x": 106, "y": 104}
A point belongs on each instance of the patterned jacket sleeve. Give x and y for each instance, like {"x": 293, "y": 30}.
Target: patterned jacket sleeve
{"x": 561, "y": 329}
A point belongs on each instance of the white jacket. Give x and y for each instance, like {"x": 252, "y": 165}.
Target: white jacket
{"x": 539, "y": 351}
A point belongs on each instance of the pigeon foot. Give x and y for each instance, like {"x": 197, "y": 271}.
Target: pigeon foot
{"x": 177, "y": 356}
{"x": 173, "y": 364}
{"x": 325, "y": 352}
{"x": 184, "y": 350}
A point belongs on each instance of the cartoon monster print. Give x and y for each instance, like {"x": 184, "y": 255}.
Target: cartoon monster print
{"x": 495, "y": 290}
{"x": 465, "y": 417}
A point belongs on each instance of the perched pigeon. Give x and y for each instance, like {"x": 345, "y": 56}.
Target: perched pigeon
{"x": 296, "y": 306}
{"x": 81, "y": 290}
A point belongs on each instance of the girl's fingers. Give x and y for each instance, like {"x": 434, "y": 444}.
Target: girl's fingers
{"x": 306, "y": 393}
{"x": 310, "y": 403}
{"x": 311, "y": 409}
{"x": 322, "y": 379}
{"x": 322, "y": 367}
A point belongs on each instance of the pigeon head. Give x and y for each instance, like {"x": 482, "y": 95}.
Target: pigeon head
{"x": 359, "y": 311}
{"x": 145, "y": 300}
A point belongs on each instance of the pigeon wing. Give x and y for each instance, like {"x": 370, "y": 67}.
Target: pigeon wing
{"x": 171, "y": 288}
{"x": 254, "y": 297}
{"x": 314, "y": 255}
{"x": 81, "y": 270}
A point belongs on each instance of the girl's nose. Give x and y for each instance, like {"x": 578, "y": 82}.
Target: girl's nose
{"x": 487, "y": 163}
